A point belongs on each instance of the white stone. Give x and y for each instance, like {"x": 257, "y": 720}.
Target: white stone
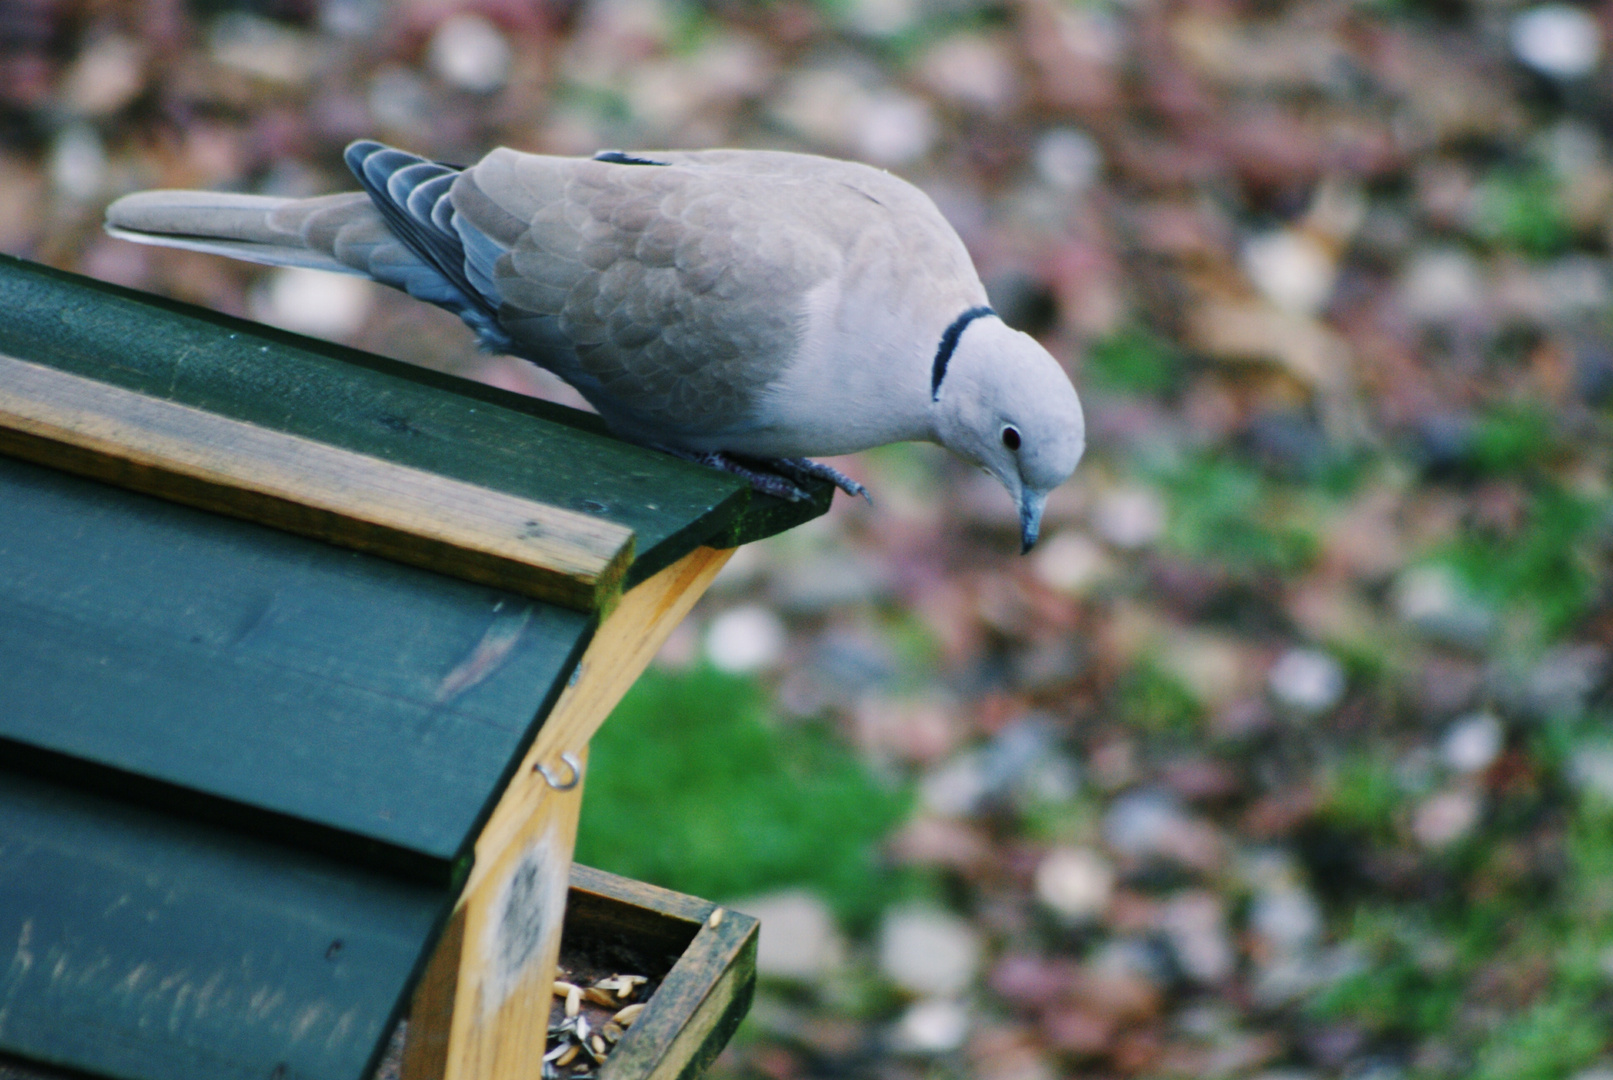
{"x": 1560, "y": 40}
{"x": 1053, "y": 779}
{"x": 313, "y": 302}
{"x": 973, "y": 70}
{"x": 933, "y": 1026}
{"x": 1441, "y": 285}
{"x": 928, "y": 952}
{"x": 895, "y": 128}
{"x": 1591, "y": 770}
{"x": 1142, "y": 824}
{"x": 469, "y": 52}
{"x": 1076, "y": 882}
{"x": 1473, "y": 743}
{"x": 1288, "y": 918}
{"x": 955, "y": 788}
{"x": 1129, "y": 518}
{"x": 1571, "y": 147}
{"x": 1211, "y": 666}
{"x": 107, "y": 75}
{"x": 1595, "y": 1072}
{"x": 262, "y": 47}
{"x": 350, "y": 18}
{"x": 1432, "y": 599}
{"x": 1068, "y": 160}
{"x": 1561, "y": 683}
{"x": 1575, "y": 284}
{"x": 745, "y": 639}
{"x": 399, "y": 99}
{"x": 879, "y": 18}
{"x": 1070, "y": 562}
{"x": 1445, "y": 817}
{"x": 1194, "y": 923}
{"x": 821, "y": 104}
{"x": 1307, "y": 680}
{"x": 77, "y": 163}
{"x": 1292, "y": 269}
{"x": 799, "y": 939}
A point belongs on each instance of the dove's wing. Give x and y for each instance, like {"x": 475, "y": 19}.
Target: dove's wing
{"x": 671, "y": 295}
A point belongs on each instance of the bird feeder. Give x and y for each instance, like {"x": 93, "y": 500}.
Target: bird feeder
{"x": 300, "y": 653}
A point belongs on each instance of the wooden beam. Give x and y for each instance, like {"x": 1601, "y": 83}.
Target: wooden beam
{"x": 192, "y": 456}
{"x": 496, "y": 963}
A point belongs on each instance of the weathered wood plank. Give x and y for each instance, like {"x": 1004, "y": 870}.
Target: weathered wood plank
{"x": 232, "y": 467}
{"x": 142, "y": 946}
{"x": 382, "y": 408}
{"x": 503, "y": 969}
{"x": 342, "y": 698}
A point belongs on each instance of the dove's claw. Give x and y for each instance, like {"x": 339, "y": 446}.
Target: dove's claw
{"x": 801, "y": 468}
{"x": 779, "y": 477}
{"x": 761, "y": 479}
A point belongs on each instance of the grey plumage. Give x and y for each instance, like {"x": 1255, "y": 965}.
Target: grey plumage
{"x": 724, "y": 302}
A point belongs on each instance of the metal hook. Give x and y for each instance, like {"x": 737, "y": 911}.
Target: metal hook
{"x": 571, "y": 762}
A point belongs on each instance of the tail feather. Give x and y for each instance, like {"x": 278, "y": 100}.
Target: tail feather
{"x": 220, "y": 215}
{"x": 255, "y": 228}
{"x": 399, "y": 231}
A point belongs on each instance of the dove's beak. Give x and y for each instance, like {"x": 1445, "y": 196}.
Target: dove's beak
{"x": 1030, "y": 518}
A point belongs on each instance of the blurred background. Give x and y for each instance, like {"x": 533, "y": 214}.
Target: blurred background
{"x": 1287, "y": 753}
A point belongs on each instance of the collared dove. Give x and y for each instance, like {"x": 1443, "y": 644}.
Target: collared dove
{"x": 748, "y": 309}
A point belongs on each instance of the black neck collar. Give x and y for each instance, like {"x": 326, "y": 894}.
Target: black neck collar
{"x": 949, "y": 342}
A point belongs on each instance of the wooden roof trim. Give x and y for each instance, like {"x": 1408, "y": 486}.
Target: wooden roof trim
{"x": 228, "y": 466}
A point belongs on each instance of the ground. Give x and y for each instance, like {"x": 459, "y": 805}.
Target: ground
{"x": 1287, "y": 753}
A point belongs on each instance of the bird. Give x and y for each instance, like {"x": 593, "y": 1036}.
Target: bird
{"x": 747, "y": 309}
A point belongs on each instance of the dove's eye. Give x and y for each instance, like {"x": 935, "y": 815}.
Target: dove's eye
{"x": 1011, "y": 437}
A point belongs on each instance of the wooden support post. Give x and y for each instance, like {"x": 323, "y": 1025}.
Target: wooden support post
{"x": 481, "y": 1011}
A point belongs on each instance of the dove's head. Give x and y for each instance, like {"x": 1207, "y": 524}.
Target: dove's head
{"x": 1001, "y": 401}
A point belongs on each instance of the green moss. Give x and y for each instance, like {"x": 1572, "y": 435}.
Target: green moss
{"x": 1522, "y": 209}
{"x": 1552, "y": 567}
{"x": 692, "y": 788}
{"x": 1223, "y": 511}
{"x": 1561, "y": 1032}
{"x": 1366, "y": 793}
{"x": 1514, "y": 438}
{"x": 1155, "y": 701}
{"x": 1420, "y": 963}
{"x": 1134, "y": 361}
{"x": 1405, "y": 988}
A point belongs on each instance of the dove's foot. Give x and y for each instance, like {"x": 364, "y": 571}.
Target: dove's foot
{"x": 763, "y": 479}
{"x": 801, "y": 468}
{"x": 780, "y": 477}
{"x": 760, "y": 479}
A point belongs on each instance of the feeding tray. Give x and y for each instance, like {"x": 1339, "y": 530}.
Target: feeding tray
{"x": 300, "y": 653}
